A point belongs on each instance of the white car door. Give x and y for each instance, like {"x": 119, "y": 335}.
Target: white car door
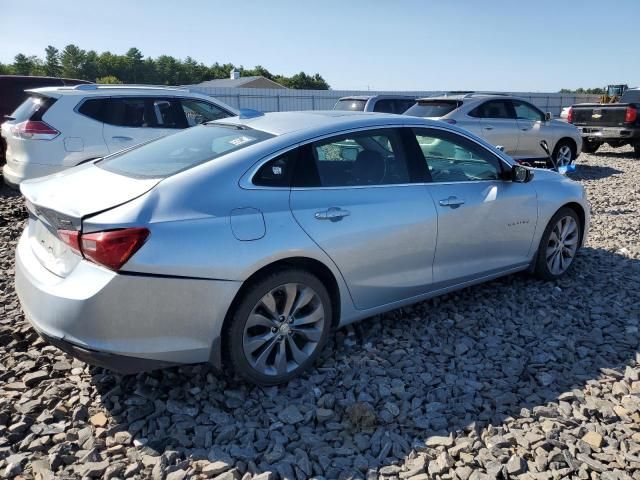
{"x": 133, "y": 120}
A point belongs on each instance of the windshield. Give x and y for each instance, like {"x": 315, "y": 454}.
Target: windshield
{"x": 433, "y": 108}
{"x": 350, "y": 104}
{"x": 178, "y": 152}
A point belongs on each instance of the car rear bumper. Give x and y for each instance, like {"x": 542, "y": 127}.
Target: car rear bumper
{"x": 594, "y": 133}
{"x": 127, "y": 323}
{"x": 14, "y": 173}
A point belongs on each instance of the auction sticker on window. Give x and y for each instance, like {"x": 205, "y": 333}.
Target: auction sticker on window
{"x": 237, "y": 141}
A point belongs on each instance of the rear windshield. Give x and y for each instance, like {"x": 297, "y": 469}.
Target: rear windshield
{"x": 181, "y": 151}
{"x": 631, "y": 96}
{"x": 350, "y": 104}
{"x": 433, "y": 108}
{"x": 33, "y": 108}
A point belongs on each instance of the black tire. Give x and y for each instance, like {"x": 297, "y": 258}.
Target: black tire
{"x": 636, "y": 150}
{"x": 590, "y": 147}
{"x": 542, "y": 269}
{"x": 560, "y": 146}
{"x": 235, "y": 334}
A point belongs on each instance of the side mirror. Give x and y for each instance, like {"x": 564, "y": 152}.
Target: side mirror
{"x": 500, "y": 147}
{"x": 520, "y": 174}
{"x": 548, "y": 116}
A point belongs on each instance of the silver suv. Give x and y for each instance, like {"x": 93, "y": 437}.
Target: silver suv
{"x": 509, "y": 122}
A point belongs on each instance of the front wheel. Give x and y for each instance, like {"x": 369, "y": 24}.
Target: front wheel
{"x": 564, "y": 154}
{"x": 279, "y": 327}
{"x": 558, "y": 245}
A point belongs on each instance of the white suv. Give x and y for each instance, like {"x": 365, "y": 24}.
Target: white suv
{"x": 60, "y": 127}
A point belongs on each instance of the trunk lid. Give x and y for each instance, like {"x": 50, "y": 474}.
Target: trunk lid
{"x": 61, "y": 201}
{"x": 601, "y": 115}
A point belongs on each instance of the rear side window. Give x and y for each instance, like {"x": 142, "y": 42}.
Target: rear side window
{"x": 392, "y": 105}
{"x": 95, "y": 108}
{"x": 277, "y": 172}
{"x": 175, "y": 153}
{"x": 129, "y": 112}
{"x": 493, "y": 109}
{"x": 433, "y": 108}
{"x": 350, "y": 105}
{"x": 33, "y": 108}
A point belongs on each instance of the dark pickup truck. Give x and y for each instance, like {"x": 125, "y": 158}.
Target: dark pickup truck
{"x": 617, "y": 124}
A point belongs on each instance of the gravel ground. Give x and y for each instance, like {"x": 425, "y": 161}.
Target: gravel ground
{"x": 514, "y": 378}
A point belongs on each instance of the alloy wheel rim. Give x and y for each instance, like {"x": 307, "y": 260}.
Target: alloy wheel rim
{"x": 564, "y": 156}
{"x": 562, "y": 245}
{"x": 283, "y": 329}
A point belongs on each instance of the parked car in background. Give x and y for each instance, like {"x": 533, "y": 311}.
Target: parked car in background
{"x": 617, "y": 124}
{"x": 509, "y": 122}
{"x": 59, "y": 127}
{"x": 12, "y": 93}
{"x": 243, "y": 242}
{"x": 375, "y": 103}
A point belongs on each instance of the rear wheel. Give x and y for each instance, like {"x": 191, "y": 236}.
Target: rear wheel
{"x": 636, "y": 150}
{"x": 590, "y": 147}
{"x": 279, "y": 327}
{"x": 558, "y": 245}
{"x": 565, "y": 153}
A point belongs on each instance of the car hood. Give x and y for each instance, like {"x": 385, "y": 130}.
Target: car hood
{"x": 84, "y": 190}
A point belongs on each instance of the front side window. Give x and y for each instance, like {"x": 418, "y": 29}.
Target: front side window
{"x": 198, "y": 112}
{"x": 526, "y": 111}
{"x": 183, "y": 150}
{"x": 492, "y": 109}
{"x": 453, "y": 158}
{"x": 375, "y": 157}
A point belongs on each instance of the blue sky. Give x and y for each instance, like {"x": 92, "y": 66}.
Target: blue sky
{"x": 540, "y": 45}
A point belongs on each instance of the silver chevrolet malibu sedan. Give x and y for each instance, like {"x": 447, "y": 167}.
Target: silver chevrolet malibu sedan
{"x": 243, "y": 242}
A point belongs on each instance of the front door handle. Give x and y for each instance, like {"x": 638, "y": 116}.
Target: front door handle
{"x": 122, "y": 138}
{"x": 488, "y": 128}
{"x": 333, "y": 214}
{"x": 453, "y": 202}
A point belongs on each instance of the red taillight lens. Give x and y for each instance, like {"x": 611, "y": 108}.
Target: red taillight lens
{"x": 113, "y": 248}
{"x": 71, "y": 238}
{"x": 35, "y": 130}
{"x": 570, "y": 115}
{"x": 630, "y": 115}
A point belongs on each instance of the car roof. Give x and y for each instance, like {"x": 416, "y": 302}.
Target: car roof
{"x": 466, "y": 96}
{"x": 280, "y": 123}
{"x": 386, "y": 97}
{"x": 106, "y": 90}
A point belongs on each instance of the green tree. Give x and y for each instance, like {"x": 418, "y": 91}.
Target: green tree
{"x": 52, "y": 66}
{"x": 23, "y": 65}
{"x": 72, "y": 59}
{"x": 90, "y": 66}
{"x": 134, "y": 60}
{"x": 109, "y": 79}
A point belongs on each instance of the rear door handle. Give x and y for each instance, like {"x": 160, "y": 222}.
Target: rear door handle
{"x": 453, "y": 202}
{"x": 488, "y": 128}
{"x": 333, "y": 214}
{"x": 122, "y": 138}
